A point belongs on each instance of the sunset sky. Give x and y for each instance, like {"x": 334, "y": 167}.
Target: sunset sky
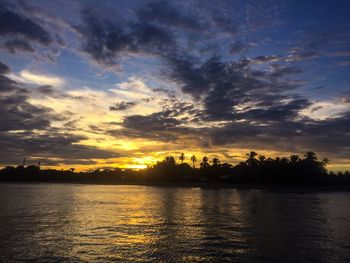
{"x": 97, "y": 84}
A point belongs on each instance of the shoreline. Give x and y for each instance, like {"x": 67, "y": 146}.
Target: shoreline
{"x": 280, "y": 188}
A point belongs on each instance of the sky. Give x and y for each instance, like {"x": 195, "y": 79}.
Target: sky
{"x": 103, "y": 84}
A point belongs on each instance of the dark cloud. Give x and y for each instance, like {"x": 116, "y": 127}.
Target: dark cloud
{"x": 224, "y": 86}
{"x": 105, "y": 40}
{"x": 265, "y": 59}
{"x": 155, "y": 121}
{"x": 327, "y": 43}
{"x": 276, "y": 113}
{"x": 8, "y": 85}
{"x": 149, "y": 99}
{"x": 165, "y": 13}
{"x": 47, "y": 90}
{"x": 160, "y": 28}
{"x": 120, "y": 106}
{"x": 279, "y": 71}
{"x": 182, "y": 69}
{"x": 165, "y": 125}
{"x": 328, "y": 137}
{"x": 275, "y": 128}
{"x": 47, "y": 147}
{"x": 18, "y": 114}
{"x": 13, "y": 24}
{"x": 16, "y": 45}
{"x": 4, "y": 69}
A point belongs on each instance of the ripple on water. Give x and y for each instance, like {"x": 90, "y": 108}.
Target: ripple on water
{"x": 94, "y": 223}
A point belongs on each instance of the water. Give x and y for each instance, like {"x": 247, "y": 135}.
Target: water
{"x": 93, "y": 223}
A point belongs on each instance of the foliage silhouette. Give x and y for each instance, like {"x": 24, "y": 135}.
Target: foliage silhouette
{"x": 256, "y": 169}
{"x": 182, "y": 157}
{"x": 194, "y": 160}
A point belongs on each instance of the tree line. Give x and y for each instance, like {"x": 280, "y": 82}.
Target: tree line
{"x": 256, "y": 169}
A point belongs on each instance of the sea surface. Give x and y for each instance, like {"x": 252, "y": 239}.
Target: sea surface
{"x": 99, "y": 223}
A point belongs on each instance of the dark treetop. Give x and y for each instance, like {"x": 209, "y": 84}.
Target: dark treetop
{"x": 256, "y": 169}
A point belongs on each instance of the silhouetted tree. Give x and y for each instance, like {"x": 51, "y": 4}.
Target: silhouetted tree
{"x": 251, "y": 158}
{"x": 170, "y": 161}
{"x": 325, "y": 162}
{"x": 310, "y": 156}
{"x": 256, "y": 169}
{"x": 294, "y": 159}
{"x": 205, "y": 162}
{"x": 194, "y": 160}
{"x": 182, "y": 157}
{"x": 262, "y": 159}
{"x": 216, "y": 161}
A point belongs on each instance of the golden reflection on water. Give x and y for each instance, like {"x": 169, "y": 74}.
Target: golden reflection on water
{"x": 92, "y": 223}
{"x": 112, "y": 220}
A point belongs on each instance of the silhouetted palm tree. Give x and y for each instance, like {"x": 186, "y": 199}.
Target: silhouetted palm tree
{"x": 310, "y": 156}
{"x": 205, "y": 162}
{"x": 256, "y": 169}
{"x": 251, "y": 158}
{"x": 194, "y": 160}
{"x": 182, "y": 157}
{"x": 216, "y": 161}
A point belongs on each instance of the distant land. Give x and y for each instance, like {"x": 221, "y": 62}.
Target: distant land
{"x": 255, "y": 172}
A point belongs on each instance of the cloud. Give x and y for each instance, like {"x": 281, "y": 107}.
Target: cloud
{"x": 8, "y": 85}
{"x": 17, "y": 113}
{"x": 26, "y": 129}
{"x": 49, "y": 148}
{"x": 237, "y": 47}
{"x": 226, "y": 85}
{"x": 323, "y": 110}
{"x": 39, "y": 79}
{"x": 327, "y": 43}
{"x": 133, "y": 89}
{"x": 13, "y": 24}
{"x": 121, "y": 106}
{"x": 164, "y": 125}
{"x": 4, "y": 69}
{"x": 160, "y": 29}
{"x": 13, "y": 46}
{"x": 165, "y": 13}
{"x": 242, "y": 107}
{"x": 47, "y": 90}
{"x": 201, "y": 95}
{"x": 156, "y": 126}
{"x": 106, "y": 40}
{"x": 265, "y": 59}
